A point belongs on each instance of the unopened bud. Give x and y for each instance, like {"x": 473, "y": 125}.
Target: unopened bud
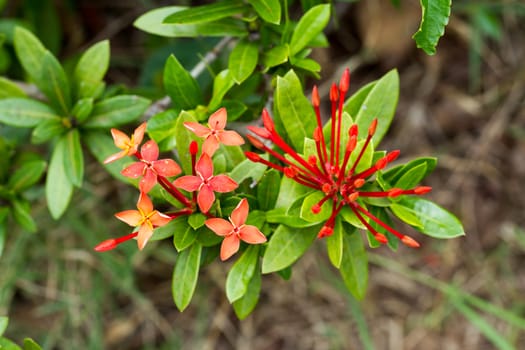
{"x": 422, "y": 189}
{"x": 344, "y": 84}
{"x": 316, "y": 208}
{"x": 261, "y": 132}
{"x": 381, "y": 238}
{"x": 352, "y": 197}
{"x": 255, "y": 142}
{"x": 372, "y": 127}
{"x": 316, "y": 101}
{"x": 326, "y": 188}
{"x": 106, "y": 245}
{"x": 392, "y": 155}
{"x": 318, "y": 134}
{"x": 353, "y": 130}
{"x": 409, "y": 242}
{"x": 334, "y": 94}
{"x": 290, "y": 172}
{"x": 254, "y": 157}
{"x": 267, "y": 121}
{"x": 359, "y": 183}
{"x": 194, "y": 148}
{"x": 312, "y": 160}
{"x": 325, "y": 231}
{"x": 394, "y": 192}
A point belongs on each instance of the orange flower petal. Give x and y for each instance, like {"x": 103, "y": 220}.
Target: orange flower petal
{"x": 217, "y": 120}
{"x": 148, "y": 181}
{"x": 115, "y": 156}
{"x": 251, "y": 234}
{"x": 130, "y": 217}
{"x": 134, "y": 170}
{"x": 204, "y": 166}
{"x": 240, "y": 213}
{"x": 150, "y": 151}
{"x": 198, "y": 129}
{"x": 145, "y": 233}
{"x": 230, "y": 245}
{"x": 188, "y": 183}
{"x": 166, "y": 167}
{"x": 205, "y": 198}
{"x": 210, "y": 145}
{"x": 231, "y": 138}
{"x": 138, "y": 134}
{"x": 222, "y": 183}
{"x": 144, "y": 204}
{"x": 220, "y": 226}
{"x": 159, "y": 219}
{"x": 121, "y": 140}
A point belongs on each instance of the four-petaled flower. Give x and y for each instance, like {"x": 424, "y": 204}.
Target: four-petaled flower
{"x": 146, "y": 218}
{"x": 149, "y": 167}
{"x": 215, "y": 133}
{"x": 129, "y": 146}
{"x": 205, "y": 183}
{"x": 235, "y": 230}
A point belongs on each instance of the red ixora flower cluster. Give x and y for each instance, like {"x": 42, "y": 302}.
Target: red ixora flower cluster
{"x": 202, "y": 183}
{"x": 329, "y": 171}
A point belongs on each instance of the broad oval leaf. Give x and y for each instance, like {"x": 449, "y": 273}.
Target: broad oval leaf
{"x": 412, "y": 177}
{"x": 268, "y": 189}
{"x": 354, "y": 263}
{"x": 434, "y": 18}
{"x": 334, "y": 244}
{"x": 279, "y": 216}
{"x": 30, "y": 344}
{"x": 310, "y": 201}
{"x": 54, "y": 83}
{"x": 243, "y": 60}
{"x": 311, "y": 24}
{"x": 241, "y": 273}
{"x": 184, "y": 236}
{"x": 48, "y": 129}
{"x": 286, "y": 246}
{"x": 206, "y": 13}
{"x": 247, "y": 303}
{"x": 22, "y": 214}
{"x": 58, "y": 186}
{"x": 248, "y": 169}
{"x": 29, "y": 51}
{"x": 275, "y": 56}
{"x": 116, "y": 111}
{"x": 26, "y": 176}
{"x": 394, "y": 174}
{"x": 222, "y": 83}
{"x": 74, "y": 158}
{"x": 268, "y": 10}
{"x": 23, "y": 112}
{"x": 82, "y": 109}
{"x": 435, "y": 221}
{"x": 183, "y": 89}
{"x": 10, "y": 89}
{"x": 90, "y": 70}
{"x": 185, "y": 275}
{"x": 183, "y": 139}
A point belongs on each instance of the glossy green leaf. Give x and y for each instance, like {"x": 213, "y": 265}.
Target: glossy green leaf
{"x": 353, "y": 103}
{"x": 235, "y": 109}
{"x": 4, "y": 321}
{"x": 58, "y": 186}
{"x": 406, "y": 215}
{"x": 184, "y": 235}
{"x": 207, "y": 237}
{"x": 245, "y": 305}
{"x": 380, "y": 103}
{"x": 286, "y": 246}
{"x": 54, "y": 83}
{"x": 382, "y": 214}
{"x": 348, "y": 215}
{"x": 47, "y": 129}
{"x": 29, "y": 51}
{"x": 197, "y": 220}
{"x": 394, "y": 174}
{"x": 183, "y": 89}
{"x": 22, "y": 214}
{"x": 82, "y": 109}
{"x": 10, "y": 89}
{"x": 116, "y": 111}
{"x": 354, "y": 263}
{"x": 311, "y": 200}
{"x": 162, "y": 125}
{"x": 280, "y": 216}
{"x": 152, "y": 22}
{"x": 248, "y": 169}
{"x": 294, "y": 110}
{"x": 275, "y": 56}
{"x": 26, "y": 176}
{"x": 167, "y": 230}
{"x": 222, "y": 83}
{"x": 289, "y": 192}
{"x": 268, "y": 10}
{"x": 6, "y": 344}
{"x": 30, "y": 344}
{"x": 241, "y": 273}
{"x": 185, "y": 275}
{"x": 412, "y": 177}
{"x": 74, "y": 158}
{"x": 306, "y": 64}
{"x": 22, "y": 112}
{"x": 206, "y": 13}
{"x": 434, "y": 18}
{"x": 334, "y": 244}
{"x": 268, "y": 189}
{"x": 312, "y": 23}
{"x": 435, "y": 221}
{"x": 243, "y": 60}
{"x": 91, "y": 69}
{"x": 183, "y": 138}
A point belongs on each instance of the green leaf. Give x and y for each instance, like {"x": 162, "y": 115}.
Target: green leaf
{"x": 82, "y": 109}
{"x": 294, "y": 110}
{"x": 23, "y": 112}
{"x": 101, "y": 146}
{"x": 412, "y": 177}
{"x": 206, "y": 13}
{"x": 268, "y": 10}
{"x": 183, "y": 138}
{"x": 235, "y": 109}
{"x": 162, "y": 125}
{"x": 354, "y": 103}
{"x": 275, "y": 56}
{"x": 183, "y": 89}
{"x": 185, "y": 276}
{"x": 4, "y": 321}
{"x": 394, "y": 174}
{"x": 380, "y": 103}
{"x": 311, "y": 200}
{"x": 354, "y": 263}
{"x": 74, "y": 158}
{"x": 289, "y": 192}
{"x": 406, "y": 215}
{"x": 91, "y": 69}
{"x": 280, "y": 216}
{"x": 22, "y": 214}
{"x": 10, "y": 89}
{"x": 244, "y": 306}
{"x": 222, "y": 83}
{"x": 26, "y": 176}
{"x": 3, "y": 228}
{"x": 53, "y": 83}
{"x": 268, "y": 189}
{"x": 312, "y": 23}
{"x": 243, "y": 60}
{"x": 434, "y": 18}
{"x": 286, "y": 246}
{"x": 348, "y": 215}
{"x": 152, "y": 22}
{"x": 241, "y": 273}
{"x": 116, "y": 111}
{"x": 306, "y": 64}
{"x": 30, "y": 344}
{"x": 29, "y": 51}
{"x": 184, "y": 235}
{"x": 435, "y": 221}
{"x": 58, "y": 186}
{"x": 196, "y": 220}
{"x": 248, "y": 169}
{"x": 47, "y": 129}
{"x": 6, "y": 344}
{"x": 165, "y": 231}
{"x": 334, "y": 244}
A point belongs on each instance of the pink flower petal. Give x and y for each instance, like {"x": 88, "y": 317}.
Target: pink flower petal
{"x": 222, "y": 183}
{"x": 148, "y": 181}
{"x": 205, "y": 198}
{"x": 138, "y": 134}
{"x": 204, "y": 166}
{"x": 121, "y": 140}
{"x": 198, "y": 129}
{"x": 166, "y": 167}
{"x": 210, "y": 145}
{"x": 229, "y": 246}
{"x": 144, "y": 204}
{"x": 240, "y": 213}
{"x": 130, "y": 217}
{"x": 150, "y": 151}
{"x": 220, "y": 226}
{"x": 159, "y": 219}
{"x": 134, "y": 170}
{"x": 231, "y": 138}
{"x": 115, "y": 156}
{"x": 188, "y": 183}
{"x": 217, "y": 120}
{"x": 145, "y": 233}
{"x": 251, "y": 234}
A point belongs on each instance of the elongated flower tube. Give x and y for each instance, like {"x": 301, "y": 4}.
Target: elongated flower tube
{"x": 335, "y": 169}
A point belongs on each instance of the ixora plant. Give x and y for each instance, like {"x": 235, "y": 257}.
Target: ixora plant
{"x": 311, "y": 181}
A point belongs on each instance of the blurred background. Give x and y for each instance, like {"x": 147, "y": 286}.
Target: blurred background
{"x": 465, "y": 105}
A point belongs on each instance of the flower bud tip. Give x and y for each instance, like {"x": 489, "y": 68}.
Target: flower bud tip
{"x": 194, "y": 148}
{"x": 410, "y": 242}
{"x": 108, "y": 244}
